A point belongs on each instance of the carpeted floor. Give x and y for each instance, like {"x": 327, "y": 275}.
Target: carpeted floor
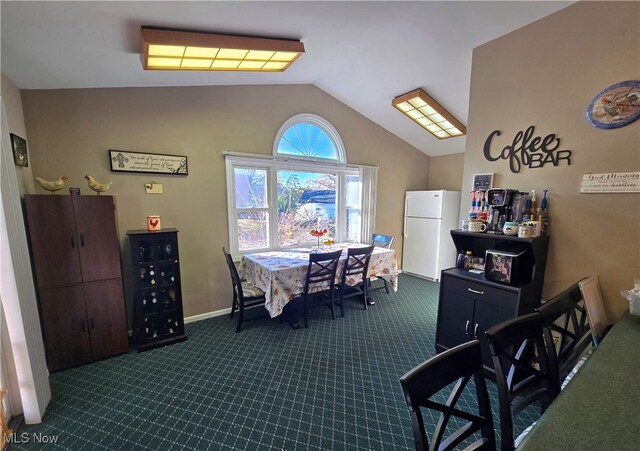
{"x": 332, "y": 386}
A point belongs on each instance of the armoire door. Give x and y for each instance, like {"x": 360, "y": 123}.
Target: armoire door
{"x": 54, "y": 243}
{"x": 97, "y": 237}
{"x": 66, "y": 331}
{"x": 106, "y": 318}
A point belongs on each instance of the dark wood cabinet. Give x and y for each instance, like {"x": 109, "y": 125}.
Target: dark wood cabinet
{"x": 157, "y": 314}
{"x": 76, "y": 259}
{"x": 469, "y": 304}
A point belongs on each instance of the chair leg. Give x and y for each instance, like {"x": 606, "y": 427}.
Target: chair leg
{"x": 386, "y": 285}
{"x": 240, "y": 317}
{"x": 331, "y": 299}
{"x": 365, "y": 295}
{"x": 304, "y": 311}
{"x": 342, "y": 301}
{"x": 233, "y": 304}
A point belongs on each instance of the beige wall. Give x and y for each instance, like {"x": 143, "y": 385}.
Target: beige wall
{"x": 70, "y": 132}
{"x": 15, "y": 119}
{"x": 545, "y": 74}
{"x": 445, "y": 172}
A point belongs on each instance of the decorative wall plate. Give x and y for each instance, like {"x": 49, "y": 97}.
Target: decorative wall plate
{"x": 616, "y": 105}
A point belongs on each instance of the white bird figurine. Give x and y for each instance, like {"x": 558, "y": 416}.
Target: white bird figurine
{"x": 52, "y": 186}
{"x": 97, "y": 186}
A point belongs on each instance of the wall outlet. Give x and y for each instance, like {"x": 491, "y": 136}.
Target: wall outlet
{"x": 153, "y": 188}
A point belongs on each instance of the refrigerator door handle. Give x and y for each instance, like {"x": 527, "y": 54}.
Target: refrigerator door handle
{"x": 404, "y": 229}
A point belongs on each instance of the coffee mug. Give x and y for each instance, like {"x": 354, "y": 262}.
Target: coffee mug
{"x": 477, "y": 226}
{"x": 510, "y": 228}
{"x": 525, "y": 231}
{"x": 537, "y": 227}
{"x": 464, "y": 224}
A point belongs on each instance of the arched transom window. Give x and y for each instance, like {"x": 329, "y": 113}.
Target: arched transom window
{"x": 309, "y": 136}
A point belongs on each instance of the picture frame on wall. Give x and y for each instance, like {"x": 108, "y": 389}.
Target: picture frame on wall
{"x": 483, "y": 182}
{"x": 19, "y": 147}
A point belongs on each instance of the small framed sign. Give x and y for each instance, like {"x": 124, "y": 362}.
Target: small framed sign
{"x": 482, "y": 182}
{"x": 153, "y": 223}
{"x": 156, "y": 163}
{"x": 19, "y": 146}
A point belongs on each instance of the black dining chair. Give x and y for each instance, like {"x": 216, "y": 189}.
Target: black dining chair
{"x": 566, "y": 330}
{"x": 320, "y": 283}
{"x": 459, "y": 364}
{"x": 355, "y": 267}
{"x": 384, "y": 241}
{"x": 525, "y": 374}
{"x": 245, "y": 295}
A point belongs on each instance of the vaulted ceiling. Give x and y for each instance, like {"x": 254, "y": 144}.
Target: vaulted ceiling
{"x": 363, "y": 53}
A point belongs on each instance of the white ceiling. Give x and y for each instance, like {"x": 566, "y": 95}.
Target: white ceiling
{"x": 362, "y": 53}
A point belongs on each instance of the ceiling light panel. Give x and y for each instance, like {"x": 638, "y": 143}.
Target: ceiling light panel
{"x": 180, "y": 50}
{"x": 418, "y": 106}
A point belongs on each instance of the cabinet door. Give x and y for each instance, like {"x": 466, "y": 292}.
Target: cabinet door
{"x": 99, "y": 246}
{"x": 106, "y": 318}
{"x": 66, "y": 331}
{"x": 488, "y": 313}
{"x": 455, "y": 313}
{"x": 54, "y": 244}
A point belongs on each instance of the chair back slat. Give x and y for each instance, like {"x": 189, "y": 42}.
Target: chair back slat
{"x": 525, "y": 372}
{"x": 235, "y": 277}
{"x": 321, "y": 270}
{"x": 358, "y": 259}
{"x": 457, "y": 365}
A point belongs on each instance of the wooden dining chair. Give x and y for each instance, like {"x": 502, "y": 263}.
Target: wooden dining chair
{"x": 459, "y": 364}
{"x": 566, "y": 330}
{"x": 384, "y": 241}
{"x": 245, "y": 295}
{"x": 356, "y": 266}
{"x": 525, "y": 374}
{"x": 320, "y": 282}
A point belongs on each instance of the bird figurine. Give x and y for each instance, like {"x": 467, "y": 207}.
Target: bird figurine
{"x": 97, "y": 186}
{"x": 52, "y": 186}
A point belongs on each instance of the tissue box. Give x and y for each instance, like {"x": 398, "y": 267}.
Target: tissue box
{"x": 506, "y": 267}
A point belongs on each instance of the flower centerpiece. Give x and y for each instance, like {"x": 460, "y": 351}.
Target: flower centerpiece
{"x": 318, "y": 233}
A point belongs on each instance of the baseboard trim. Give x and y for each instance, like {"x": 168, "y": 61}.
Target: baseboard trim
{"x": 194, "y": 318}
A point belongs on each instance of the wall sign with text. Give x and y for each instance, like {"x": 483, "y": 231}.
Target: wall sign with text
{"x": 124, "y": 161}
{"x": 528, "y": 150}
{"x": 611, "y": 182}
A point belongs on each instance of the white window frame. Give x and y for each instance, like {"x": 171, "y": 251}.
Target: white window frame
{"x": 322, "y": 124}
{"x": 272, "y": 166}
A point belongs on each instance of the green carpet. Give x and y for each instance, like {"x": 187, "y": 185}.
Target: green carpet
{"x": 332, "y": 386}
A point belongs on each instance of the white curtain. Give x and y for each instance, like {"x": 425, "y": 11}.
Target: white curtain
{"x": 369, "y": 178}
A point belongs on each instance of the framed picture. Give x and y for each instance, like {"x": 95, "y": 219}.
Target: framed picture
{"x": 156, "y": 163}
{"x": 19, "y": 146}
{"x": 482, "y": 182}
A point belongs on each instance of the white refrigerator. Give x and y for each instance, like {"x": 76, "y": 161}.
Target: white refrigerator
{"x": 428, "y": 218}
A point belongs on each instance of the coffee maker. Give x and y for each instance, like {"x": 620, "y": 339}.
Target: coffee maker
{"x": 499, "y": 201}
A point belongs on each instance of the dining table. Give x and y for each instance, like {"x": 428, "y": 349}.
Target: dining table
{"x": 599, "y": 409}
{"x": 281, "y": 274}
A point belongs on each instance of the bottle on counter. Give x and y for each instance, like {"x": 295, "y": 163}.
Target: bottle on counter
{"x": 468, "y": 262}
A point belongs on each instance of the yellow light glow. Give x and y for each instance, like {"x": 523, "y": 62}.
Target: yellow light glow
{"x": 200, "y": 52}
{"x": 225, "y": 64}
{"x": 166, "y": 50}
{"x": 437, "y": 117}
{"x": 404, "y": 106}
{"x": 424, "y": 121}
{"x": 164, "y": 62}
{"x": 454, "y": 132}
{"x": 232, "y": 54}
{"x": 433, "y": 128}
{"x": 274, "y": 65}
{"x": 417, "y": 102}
{"x": 415, "y": 114}
{"x": 445, "y": 125}
{"x": 251, "y": 65}
{"x": 284, "y": 56}
{"x": 442, "y": 134}
{"x": 189, "y": 63}
{"x": 427, "y": 110}
{"x": 259, "y": 55}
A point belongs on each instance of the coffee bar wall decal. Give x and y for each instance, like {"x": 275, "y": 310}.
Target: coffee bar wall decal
{"x": 529, "y": 151}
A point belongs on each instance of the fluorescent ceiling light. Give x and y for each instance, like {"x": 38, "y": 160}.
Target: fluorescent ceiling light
{"x": 418, "y": 106}
{"x": 163, "y": 49}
